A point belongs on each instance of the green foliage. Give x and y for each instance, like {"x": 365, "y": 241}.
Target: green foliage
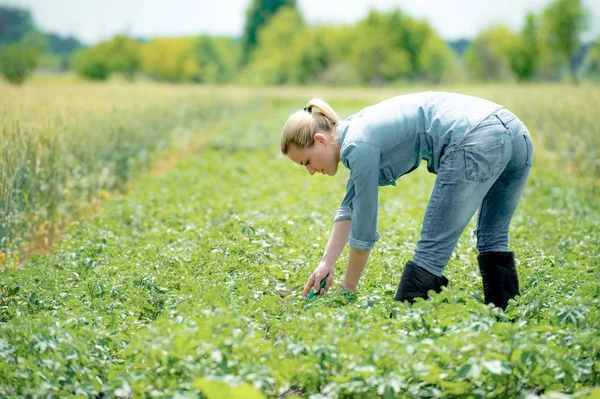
{"x": 93, "y": 63}
{"x": 55, "y": 168}
{"x": 392, "y": 46}
{"x": 436, "y": 61}
{"x": 335, "y": 44}
{"x": 459, "y": 46}
{"x": 321, "y": 53}
{"x": 15, "y": 24}
{"x": 201, "y": 59}
{"x": 18, "y": 61}
{"x": 272, "y": 61}
{"x": 592, "y": 61}
{"x": 258, "y": 14}
{"x": 215, "y": 389}
{"x": 488, "y": 58}
{"x": 119, "y": 55}
{"x": 36, "y": 41}
{"x": 62, "y": 45}
{"x": 217, "y": 58}
{"x": 563, "y": 22}
{"x": 382, "y": 48}
{"x": 124, "y": 56}
{"x": 378, "y": 52}
{"x": 525, "y": 57}
{"x": 171, "y": 59}
{"x": 229, "y": 54}
{"x": 53, "y": 51}
{"x": 189, "y": 286}
{"x": 208, "y": 59}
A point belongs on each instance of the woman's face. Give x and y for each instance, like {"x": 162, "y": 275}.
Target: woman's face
{"x": 323, "y": 157}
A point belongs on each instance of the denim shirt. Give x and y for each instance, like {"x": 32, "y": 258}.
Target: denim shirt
{"x": 389, "y": 139}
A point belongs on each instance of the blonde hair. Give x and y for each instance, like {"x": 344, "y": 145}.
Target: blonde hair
{"x": 301, "y": 126}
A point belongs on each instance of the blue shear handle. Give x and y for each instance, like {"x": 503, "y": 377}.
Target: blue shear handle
{"x": 312, "y": 292}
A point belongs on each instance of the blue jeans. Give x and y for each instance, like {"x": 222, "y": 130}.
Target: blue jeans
{"x": 487, "y": 169}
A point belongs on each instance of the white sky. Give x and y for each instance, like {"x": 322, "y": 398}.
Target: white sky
{"x": 95, "y": 20}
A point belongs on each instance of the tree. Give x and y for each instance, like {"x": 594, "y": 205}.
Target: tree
{"x": 335, "y": 46}
{"x": 119, "y": 55}
{"x": 93, "y": 63}
{"x": 525, "y": 58}
{"x": 15, "y": 23}
{"x": 36, "y": 41}
{"x": 413, "y": 36}
{"x": 591, "y": 65}
{"x": 62, "y": 45}
{"x": 459, "y": 46}
{"x": 171, "y": 59}
{"x": 227, "y": 52}
{"x": 378, "y": 53}
{"x": 19, "y": 60}
{"x": 563, "y": 22}
{"x": 437, "y": 62}
{"x": 208, "y": 58}
{"x": 258, "y": 15}
{"x": 488, "y": 58}
{"x": 272, "y": 62}
{"x": 124, "y": 56}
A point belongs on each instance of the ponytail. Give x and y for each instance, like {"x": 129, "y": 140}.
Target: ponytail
{"x": 301, "y": 126}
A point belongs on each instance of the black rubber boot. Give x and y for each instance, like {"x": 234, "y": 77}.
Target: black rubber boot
{"x": 500, "y": 280}
{"x": 416, "y": 281}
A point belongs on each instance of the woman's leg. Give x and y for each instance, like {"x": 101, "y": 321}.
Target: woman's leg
{"x": 496, "y": 263}
{"x": 465, "y": 176}
{"x": 500, "y": 203}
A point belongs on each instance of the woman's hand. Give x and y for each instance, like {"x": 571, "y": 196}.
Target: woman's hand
{"x": 335, "y": 245}
{"x": 315, "y": 278}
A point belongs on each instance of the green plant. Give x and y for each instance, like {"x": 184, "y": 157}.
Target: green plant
{"x": 17, "y": 62}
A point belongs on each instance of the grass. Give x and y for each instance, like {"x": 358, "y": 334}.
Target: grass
{"x": 64, "y": 146}
{"x": 190, "y": 283}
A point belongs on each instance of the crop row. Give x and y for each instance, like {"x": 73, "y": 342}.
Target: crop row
{"x": 189, "y": 287}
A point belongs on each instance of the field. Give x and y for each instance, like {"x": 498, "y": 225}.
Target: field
{"x": 179, "y": 274}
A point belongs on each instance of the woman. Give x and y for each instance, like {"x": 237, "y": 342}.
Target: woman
{"x": 480, "y": 151}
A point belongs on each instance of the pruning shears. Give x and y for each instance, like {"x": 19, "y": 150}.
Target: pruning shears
{"x": 312, "y": 293}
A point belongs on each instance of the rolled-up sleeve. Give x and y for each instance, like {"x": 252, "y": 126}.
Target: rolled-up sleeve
{"x": 345, "y": 210}
{"x": 362, "y": 190}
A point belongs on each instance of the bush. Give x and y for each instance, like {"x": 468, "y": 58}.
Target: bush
{"x": 124, "y": 56}
{"x": 17, "y": 62}
{"x": 171, "y": 59}
{"x": 93, "y": 63}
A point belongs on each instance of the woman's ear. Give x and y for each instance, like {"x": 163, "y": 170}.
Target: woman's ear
{"x": 320, "y": 138}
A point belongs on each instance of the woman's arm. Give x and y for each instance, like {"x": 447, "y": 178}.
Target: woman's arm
{"x": 357, "y": 213}
{"x": 335, "y": 246}
{"x": 337, "y": 241}
{"x": 357, "y": 259}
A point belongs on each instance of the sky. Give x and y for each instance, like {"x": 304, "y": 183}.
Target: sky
{"x": 92, "y": 21}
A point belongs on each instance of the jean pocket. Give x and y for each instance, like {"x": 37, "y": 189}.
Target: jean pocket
{"x": 529, "y": 144}
{"x": 481, "y": 163}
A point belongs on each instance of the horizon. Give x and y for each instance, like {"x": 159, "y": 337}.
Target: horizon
{"x": 147, "y": 20}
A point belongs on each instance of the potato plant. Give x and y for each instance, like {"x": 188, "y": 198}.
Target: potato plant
{"x": 189, "y": 285}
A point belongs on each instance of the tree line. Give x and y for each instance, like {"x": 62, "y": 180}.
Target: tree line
{"x": 278, "y": 46}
